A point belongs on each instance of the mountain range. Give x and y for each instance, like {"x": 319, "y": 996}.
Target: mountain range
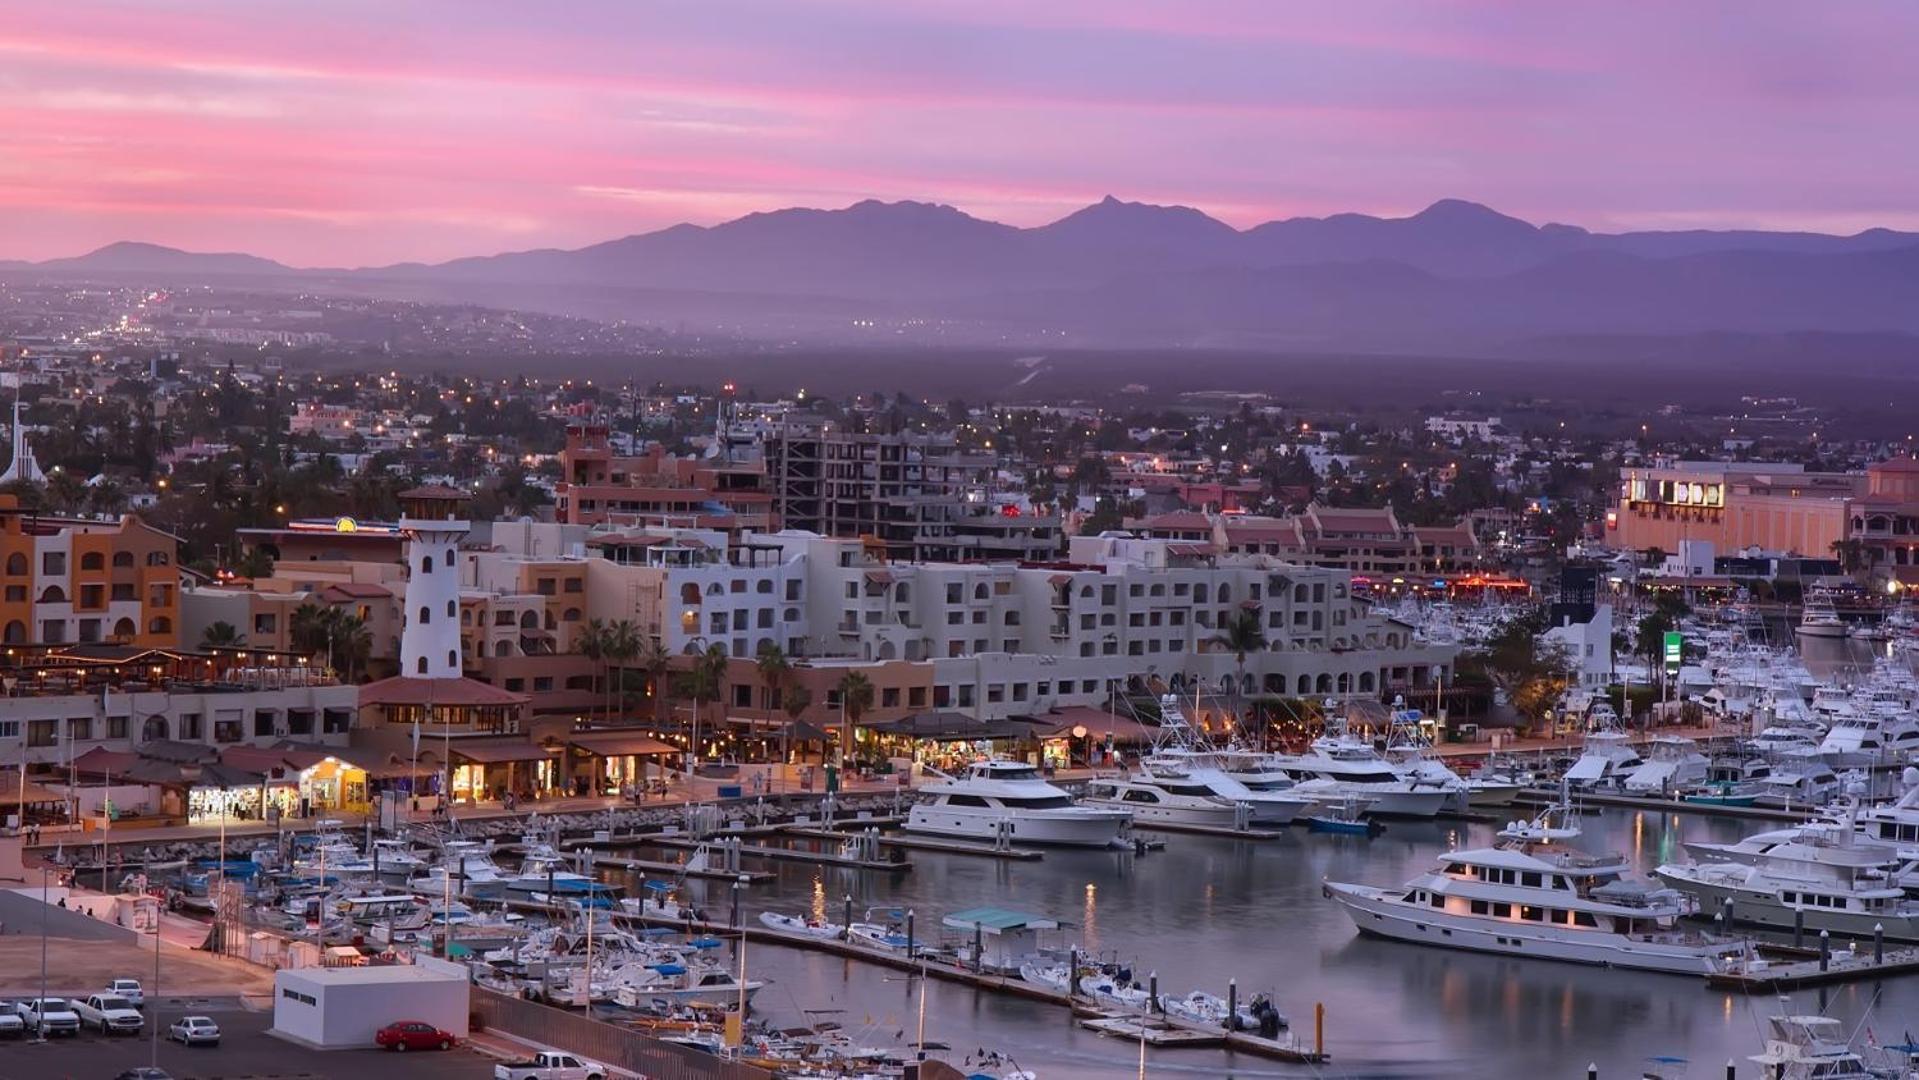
{"x": 1455, "y": 274}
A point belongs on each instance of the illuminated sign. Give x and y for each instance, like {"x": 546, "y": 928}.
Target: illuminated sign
{"x": 346, "y": 524}
{"x": 1675, "y": 650}
{"x": 1676, "y": 492}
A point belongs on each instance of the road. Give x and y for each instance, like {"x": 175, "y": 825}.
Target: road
{"x": 245, "y": 1050}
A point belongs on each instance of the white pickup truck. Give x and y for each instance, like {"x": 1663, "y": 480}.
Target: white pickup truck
{"x": 54, "y": 1016}
{"x": 552, "y": 1065}
{"x": 111, "y": 1013}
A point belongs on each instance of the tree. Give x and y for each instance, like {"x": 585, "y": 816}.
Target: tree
{"x": 222, "y": 635}
{"x": 592, "y": 642}
{"x": 653, "y": 659}
{"x": 704, "y": 681}
{"x": 856, "y": 697}
{"x": 1533, "y": 674}
{"x": 1242, "y": 635}
{"x": 623, "y": 644}
{"x": 774, "y": 670}
{"x": 1851, "y": 554}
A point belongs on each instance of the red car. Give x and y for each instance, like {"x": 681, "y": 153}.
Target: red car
{"x": 413, "y": 1035}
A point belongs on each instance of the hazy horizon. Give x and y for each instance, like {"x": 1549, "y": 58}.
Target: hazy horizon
{"x": 355, "y": 134}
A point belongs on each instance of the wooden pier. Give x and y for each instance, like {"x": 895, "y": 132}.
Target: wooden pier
{"x": 672, "y": 869}
{"x": 1154, "y": 1031}
{"x": 818, "y": 858}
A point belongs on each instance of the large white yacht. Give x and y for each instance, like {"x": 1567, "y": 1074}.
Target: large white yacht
{"x": 1009, "y": 797}
{"x": 1157, "y": 800}
{"x": 1605, "y": 761}
{"x": 470, "y": 864}
{"x": 1821, "y": 877}
{"x": 1266, "y": 806}
{"x": 1339, "y": 766}
{"x": 1821, "y": 620}
{"x": 1532, "y": 895}
{"x": 1673, "y": 762}
{"x": 1410, "y": 753}
{"x": 1870, "y": 735}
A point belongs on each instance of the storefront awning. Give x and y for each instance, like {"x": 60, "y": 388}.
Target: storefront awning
{"x": 496, "y": 751}
{"x": 950, "y": 725}
{"x": 1125, "y": 730}
{"x": 619, "y": 744}
{"x": 10, "y": 791}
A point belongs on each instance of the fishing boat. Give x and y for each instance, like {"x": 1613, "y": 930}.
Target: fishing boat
{"x": 1211, "y": 1010}
{"x": 1820, "y": 620}
{"x": 1114, "y": 992}
{"x": 1346, "y": 816}
{"x": 883, "y": 929}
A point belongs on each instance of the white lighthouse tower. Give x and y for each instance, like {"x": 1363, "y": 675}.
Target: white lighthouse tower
{"x": 433, "y": 519}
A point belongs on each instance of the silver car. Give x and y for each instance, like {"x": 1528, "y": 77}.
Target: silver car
{"x": 195, "y": 1031}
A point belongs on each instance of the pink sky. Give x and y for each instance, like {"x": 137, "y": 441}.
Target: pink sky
{"x": 357, "y": 132}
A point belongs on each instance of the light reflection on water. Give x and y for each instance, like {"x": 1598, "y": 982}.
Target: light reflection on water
{"x": 1207, "y": 910}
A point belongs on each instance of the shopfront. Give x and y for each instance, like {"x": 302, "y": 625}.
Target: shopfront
{"x": 488, "y": 768}
{"x": 617, "y": 761}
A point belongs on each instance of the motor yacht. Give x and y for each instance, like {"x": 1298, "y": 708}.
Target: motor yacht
{"x": 470, "y": 864}
{"x": 1605, "y": 760}
{"x": 1819, "y": 878}
{"x": 1007, "y": 800}
{"x": 1672, "y": 762}
{"x": 1820, "y": 620}
{"x": 1338, "y": 765}
{"x": 1533, "y": 895}
{"x": 1266, "y": 807}
{"x": 1871, "y": 735}
{"x": 1166, "y": 801}
{"x": 1813, "y": 1048}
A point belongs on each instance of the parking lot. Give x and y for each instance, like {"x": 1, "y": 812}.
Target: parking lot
{"x": 246, "y": 1052}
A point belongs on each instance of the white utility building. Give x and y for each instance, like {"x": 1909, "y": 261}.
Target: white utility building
{"x": 341, "y": 1007}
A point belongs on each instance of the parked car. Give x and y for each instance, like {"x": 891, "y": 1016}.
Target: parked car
{"x": 129, "y": 989}
{"x": 11, "y": 1026}
{"x": 552, "y": 1065}
{"x": 111, "y": 1013}
{"x": 195, "y": 1031}
{"x": 413, "y": 1035}
{"x": 54, "y": 1016}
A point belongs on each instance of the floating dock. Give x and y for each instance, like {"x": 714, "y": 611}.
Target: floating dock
{"x": 1843, "y": 965}
{"x": 1658, "y": 805}
{"x": 918, "y": 843}
{"x": 709, "y": 873}
{"x": 1210, "y": 830}
{"x": 1154, "y": 1031}
{"x": 818, "y": 858}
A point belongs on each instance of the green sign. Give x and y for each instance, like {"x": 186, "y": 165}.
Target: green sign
{"x": 1675, "y": 650}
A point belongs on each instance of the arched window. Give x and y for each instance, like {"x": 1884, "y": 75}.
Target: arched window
{"x": 123, "y": 558}
{"x": 426, "y": 615}
{"x": 420, "y": 666}
{"x": 158, "y": 558}
{"x": 16, "y": 632}
{"x": 159, "y": 624}
{"x": 16, "y": 564}
{"x": 571, "y": 614}
{"x": 53, "y": 594}
{"x": 503, "y": 648}
{"x": 1225, "y": 593}
{"x": 979, "y": 591}
{"x": 450, "y": 560}
{"x": 1305, "y": 685}
{"x": 453, "y": 658}
{"x": 689, "y": 593}
{"x": 93, "y": 560}
{"x": 714, "y": 589}
{"x": 529, "y": 620}
{"x": 452, "y": 608}
{"x": 154, "y": 729}
{"x": 1200, "y": 593}
{"x": 122, "y": 629}
{"x": 426, "y": 564}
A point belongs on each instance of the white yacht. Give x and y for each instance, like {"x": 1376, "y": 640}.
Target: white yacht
{"x": 1673, "y": 762}
{"x": 1338, "y": 765}
{"x": 1159, "y": 800}
{"x": 995, "y": 799}
{"x": 470, "y": 864}
{"x": 1605, "y": 761}
{"x": 1821, "y": 620}
{"x": 1266, "y": 806}
{"x": 1532, "y": 895}
{"x": 1821, "y": 878}
{"x": 1871, "y": 735}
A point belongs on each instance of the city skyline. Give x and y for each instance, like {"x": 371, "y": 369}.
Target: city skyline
{"x": 352, "y": 135}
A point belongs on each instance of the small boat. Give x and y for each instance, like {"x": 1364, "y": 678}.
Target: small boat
{"x": 1055, "y": 977}
{"x": 1200, "y": 1007}
{"x": 1111, "y": 991}
{"x": 794, "y": 924}
{"x": 888, "y": 936}
{"x": 1346, "y": 817}
{"x": 1722, "y": 793}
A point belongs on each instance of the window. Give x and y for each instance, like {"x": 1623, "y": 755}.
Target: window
{"x": 426, "y": 615}
{"x": 426, "y": 564}
{"x": 1436, "y": 900}
{"x": 89, "y": 630}
{"x": 1502, "y": 911}
{"x": 53, "y": 563}
{"x": 574, "y": 584}
{"x": 80, "y": 729}
{"x": 1584, "y": 918}
{"x": 1480, "y": 907}
{"x": 190, "y": 726}
{"x": 16, "y": 565}
{"x": 263, "y": 624}
{"x": 263, "y": 726}
{"x": 542, "y": 683}
{"x": 93, "y": 560}
{"x": 42, "y": 733}
{"x": 1529, "y": 878}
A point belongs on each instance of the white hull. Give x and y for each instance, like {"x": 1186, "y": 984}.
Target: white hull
{"x": 1482, "y": 793}
{"x": 792, "y": 925}
{"x": 1080, "y": 828}
{"x": 1377, "y": 912}
{"x": 1762, "y": 907}
{"x": 638, "y": 997}
{"x": 1146, "y": 815}
{"x": 1386, "y": 800}
{"x": 1822, "y": 630}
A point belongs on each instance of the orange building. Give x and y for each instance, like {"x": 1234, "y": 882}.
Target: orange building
{"x": 82, "y": 581}
{"x": 1734, "y": 505}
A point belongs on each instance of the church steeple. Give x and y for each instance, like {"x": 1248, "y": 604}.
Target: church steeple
{"x": 23, "y": 466}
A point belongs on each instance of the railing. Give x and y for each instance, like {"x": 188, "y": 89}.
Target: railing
{"x": 617, "y": 1046}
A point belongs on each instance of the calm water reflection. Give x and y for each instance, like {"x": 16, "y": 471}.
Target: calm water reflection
{"x": 1204, "y": 911}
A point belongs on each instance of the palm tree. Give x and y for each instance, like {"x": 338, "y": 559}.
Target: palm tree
{"x": 1242, "y": 635}
{"x": 774, "y": 670}
{"x": 793, "y": 702}
{"x": 222, "y": 635}
{"x": 856, "y": 696}
{"x": 623, "y": 643}
{"x": 591, "y": 642}
{"x": 705, "y": 681}
{"x": 652, "y": 658}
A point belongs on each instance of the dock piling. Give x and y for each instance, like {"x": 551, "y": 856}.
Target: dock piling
{"x": 1798, "y": 927}
{"x": 1152, "y": 996}
{"x": 1319, "y": 1030}
{"x": 1592, "y": 1071}
{"x": 846, "y": 924}
{"x": 1878, "y": 943}
{"x": 1232, "y": 1002}
{"x": 1825, "y": 949}
{"x": 910, "y": 950}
